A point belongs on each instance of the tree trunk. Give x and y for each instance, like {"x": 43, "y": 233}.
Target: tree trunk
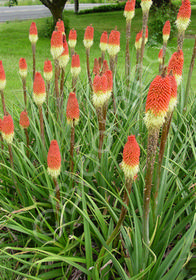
{"x": 56, "y": 8}
{"x": 57, "y": 13}
{"x": 76, "y": 6}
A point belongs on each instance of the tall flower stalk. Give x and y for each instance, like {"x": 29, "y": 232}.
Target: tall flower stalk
{"x": 72, "y": 114}
{"x": 2, "y": 86}
{"x": 160, "y": 59}
{"x": 33, "y": 37}
{"x": 88, "y": 42}
{"x": 1, "y": 137}
{"x": 103, "y": 44}
{"x": 75, "y": 70}
{"x": 24, "y": 124}
{"x": 23, "y": 75}
{"x": 175, "y": 65}
{"x": 138, "y": 44}
{"x": 48, "y": 77}
{"x": 166, "y": 34}
{"x": 129, "y": 13}
{"x": 156, "y": 109}
{"x": 54, "y": 169}
{"x": 72, "y": 40}
{"x": 39, "y": 96}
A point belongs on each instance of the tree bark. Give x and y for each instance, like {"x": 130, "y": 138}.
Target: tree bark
{"x": 56, "y": 8}
{"x": 76, "y": 6}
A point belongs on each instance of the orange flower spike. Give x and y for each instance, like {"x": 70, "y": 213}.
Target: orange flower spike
{"x": 64, "y": 58}
{"x": 39, "y": 91}
{"x": 100, "y": 90}
{"x": 105, "y": 66}
{"x": 48, "y": 70}
{"x": 176, "y": 63}
{"x": 160, "y": 56}
{"x": 146, "y": 36}
{"x": 72, "y": 111}
{"x": 146, "y": 4}
{"x": 8, "y": 129}
{"x": 131, "y": 155}
{"x": 1, "y": 123}
{"x": 138, "y": 41}
{"x": 60, "y": 26}
{"x": 129, "y": 11}
{"x": 104, "y": 41}
{"x": 109, "y": 76}
{"x": 24, "y": 120}
{"x": 2, "y": 76}
{"x": 173, "y": 99}
{"x": 56, "y": 44}
{"x": 72, "y": 38}
{"x": 88, "y": 37}
{"x": 75, "y": 65}
{"x": 166, "y": 31}
{"x": 183, "y": 17}
{"x": 22, "y": 68}
{"x": 96, "y": 67}
{"x": 33, "y": 35}
{"x": 54, "y": 159}
{"x": 114, "y": 43}
{"x": 157, "y": 102}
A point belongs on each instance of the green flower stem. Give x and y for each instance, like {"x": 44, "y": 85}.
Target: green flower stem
{"x": 61, "y": 88}
{"x": 33, "y": 51}
{"x": 41, "y": 124}
{"x": 57, "y": 85}
{"x": 74, "y": 83}
{"x": 127, "y": 57}
{"x": 153, "y": 135}
{"x": 27, "y": 139}
{"x": 12, "y": 166}
{"x": 102, "y": 56}
{"x": 72, "y": 143}
{"x": 3, "y": 102}
{"x": 24, "y": 92}
{"x": 72, "y": 51}
{"x": 180, "y": 40}
{"x": 1, "y": 139}
{"x": 88, "y": 67}
{"x": 57, "y": 196}
{"x": 164, "y": 53}
{"x": 101, "y": 120}
{"x": 128, "y": 185}
{"x": 47, "y": 98}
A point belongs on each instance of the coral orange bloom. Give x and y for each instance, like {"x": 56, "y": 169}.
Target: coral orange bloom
{"x": 109, "y": 76}
{"x": 8, "y": 129}
{"x": 60, "y": 26}
{"x": 39, "y": 91}
{"x": 157, "y": 102}
{"x": 72, "y": 111}
{"x": 56, "y": 44}
{"x": 146, "y": 4}
{"x": 166, "y": 31}
{"x": 2, "y": 76}
{"x": 88, "y": 37}
{"x": 138, "y": 41}
{"x": 48, "y": 70}
{"x": 64, "y": 58}
{"x": 105, "y": 66}
{"x": 23, "y": 68}
{"x": 176, "y": 63}
{"x": 146, "y": 36}
{"x": 1, "y": 123}
{"x": 100, "y": 90}
{"x": 114, "y": 43}
{"x": 54, "y": 159}
{"x": 33, "y": 35}
{"x": 96, "y": 67}
{"x": 72, "y": 38}
{"x": 173, "y": 99}
{"x": 24, "y": 120}
{"x": 75, "y": 65}
{"x": 160, "y": 57}
{"x": 104, "y": 41}
{"x": 129, "y": 10}
{"x": 131, "y": 155}
{"x": 183, "y": 17}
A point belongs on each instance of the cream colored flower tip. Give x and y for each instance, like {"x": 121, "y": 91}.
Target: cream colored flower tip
{"x": 165, "y": 38}
{"x": 70, "y": 122}
{"x": 56, "y": 51}
{"x": 48, "y": 76}
{"x": 88, "y": 43}
{"x": 39, "y": 99}
{"x": 75, "y": 71}
{"x": 23, "y": 73}
{"x": 182, "y": 24}
{"x": 72, "y": 43}
{"x": 129, "y": 171}
{"x": 129, "y": 15}
{"x": 146, "y": 4}
{"x": 33, "y": 38}
{"x": 172, "y": 104}
{"x": 153, "y": 121}
{"x": 8, "y": 137}
{"x": 63, "y": 60}
{"x": 54, "y": 173}
{"x": 100, "y": 99}
{"x": 103, "y": 46}
{"x": 113, "y": 50}
{"x": 2, "y": 84}
{"x": 178, "y": 79}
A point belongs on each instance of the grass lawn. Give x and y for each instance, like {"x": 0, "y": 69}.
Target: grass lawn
{"x": 15, "y": 44}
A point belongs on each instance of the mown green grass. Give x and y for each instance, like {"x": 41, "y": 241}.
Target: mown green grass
{"x": 15, "y": 44}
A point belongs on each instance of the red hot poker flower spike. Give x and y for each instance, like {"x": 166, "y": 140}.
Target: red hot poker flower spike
{"x": 183, "y": 17}
{"x": 176, "y": 65}
{"x": 8, "y": 129}
{"x": 60, "y": 26}
{"x": 109, "y": 76}
{"x": 173, "y": 99}
{"x": 56, "y": 44}
{"x": 72, "y": 38}
{"x": 157, "y": 102}
{"x": 75, "y": 65}
{"x": 160, "y": 57}
{"x": 88, "y": 37}
{"x": 48, "y": 70}
{"x": 22, "y": 68}
{"x": 146, "y": 4}
{"x": 54, "y": 159}
{"x": 2, "y": 76}
{"x": 129, "y": 10}
{"x": 100, "y": 93}
{"x": 39, "y": 91}
{"x": 64, "y": 58}
{"x": 105, "y": 66}
{"x": 96, "y": 67}
{"x": 138, "y": 41}
{"x": 1, "y": 123}
{"x": 24, "y": 120}
{"x": 104, "y": 41}
{"x": 72, "y": 111}
{"x": 33, "y": 35}
{"x": 114, "y": 43}
{"x": 166, "y": 31}
{"x": 131, "y": 154}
